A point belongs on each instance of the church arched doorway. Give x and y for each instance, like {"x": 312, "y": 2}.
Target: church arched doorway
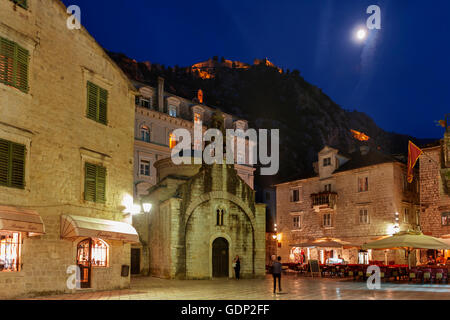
{"x": 220, "y": 258}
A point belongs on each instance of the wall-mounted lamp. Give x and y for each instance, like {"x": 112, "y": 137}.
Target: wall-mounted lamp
{"x": 134, "y": 208}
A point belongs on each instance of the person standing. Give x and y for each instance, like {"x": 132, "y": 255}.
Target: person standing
{"x": 276, "y": 274}
{"x": 237, "y": 267}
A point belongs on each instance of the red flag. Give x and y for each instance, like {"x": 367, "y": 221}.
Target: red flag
{"x": 414, "y": 153}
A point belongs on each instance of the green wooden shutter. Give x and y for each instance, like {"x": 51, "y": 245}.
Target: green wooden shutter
{"x": 12, "y": 164}
{"x": 102, "y": 107}
{"x": 4, "y": 162}
{"x": 21, "y": 68}
{"x": 92, "y": 98}
{"x": 14, "y": 61}
{"x": 7, "y": 61}
{"x": 21, "y": 3}
{"x": 97, "y": 103}
{"x": 101, "y": 184}
{"x": 17, "y": 165}
{"x": 90, "y": 181}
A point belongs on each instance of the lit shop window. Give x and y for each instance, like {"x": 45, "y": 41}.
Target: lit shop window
{"x": 10, "y": 246}
{"x": 93, "y": 252}
{"x": 172, "y": 140}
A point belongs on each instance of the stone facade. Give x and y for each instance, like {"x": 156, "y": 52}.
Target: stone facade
{"x": 355, "y": 216}
{"x": 183, "y": 226}
{"x": 434, "y": 193}
{"x": 50, "y": 120}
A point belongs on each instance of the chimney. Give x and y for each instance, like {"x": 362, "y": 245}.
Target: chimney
{"x": 364, "y": 150}
{"x": 160, "y": 94}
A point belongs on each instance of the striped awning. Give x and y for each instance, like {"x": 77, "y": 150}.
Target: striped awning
{"x": 73, "y": 227}
{"x": 22, "y": 220}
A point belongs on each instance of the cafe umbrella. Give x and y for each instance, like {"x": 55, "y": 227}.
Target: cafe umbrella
{"x": 408, "y": 240}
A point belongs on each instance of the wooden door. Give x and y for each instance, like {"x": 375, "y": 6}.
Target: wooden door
{"x": 135, "y": 260}
{"x": 220, "y": 258}
{"x": 84, "y": 262}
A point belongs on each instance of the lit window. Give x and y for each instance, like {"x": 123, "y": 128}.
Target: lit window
{"x": 145, "y": 134}
{"x": 363, "y": 184}
{"x": 326, "y": 162}
{"x": 327, "y": 220}
{"x": 172, "y": 140}
{"x": 363, "y": 216}
{"x": 145, "y": 168}
{"x": 445, "y": 218}
{"x": 10, "y": 249}
{"x": 172, "y": 110}
{"x": 363, "y": 257}
{"x": 296, "y": 222}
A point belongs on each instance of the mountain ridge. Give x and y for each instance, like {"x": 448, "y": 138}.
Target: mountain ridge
{"x": 272, "y": 98}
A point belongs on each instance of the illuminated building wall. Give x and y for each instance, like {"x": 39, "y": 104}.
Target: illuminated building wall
{"x": 50, "y": 120}
{"x": 334, "y": 204}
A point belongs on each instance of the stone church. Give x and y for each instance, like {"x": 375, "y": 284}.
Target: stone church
{"x": 202, "y": 217}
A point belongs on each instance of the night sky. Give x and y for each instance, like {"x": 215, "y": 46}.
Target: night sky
{"x": 399, "y": 75}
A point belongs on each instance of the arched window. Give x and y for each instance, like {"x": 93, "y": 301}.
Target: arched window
{"x": 219, "y": 216}
{"x": 145, "y": 133}
{"x": 92, "y": 252}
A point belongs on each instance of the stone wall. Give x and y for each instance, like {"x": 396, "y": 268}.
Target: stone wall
{"x": 51, "y": 121}
{"x": 434, "y": 199}
{"x": 183, "y": 226}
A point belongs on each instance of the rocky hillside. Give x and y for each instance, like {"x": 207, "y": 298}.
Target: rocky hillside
{"x": 272, "y": 98}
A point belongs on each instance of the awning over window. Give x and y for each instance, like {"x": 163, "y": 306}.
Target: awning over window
{"x": 19, "y": 219}
{"x": 73, "y": 227}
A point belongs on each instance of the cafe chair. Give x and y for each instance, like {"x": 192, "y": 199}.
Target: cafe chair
{"x": 439, "y": 276}
{"x": 427, "y": 275}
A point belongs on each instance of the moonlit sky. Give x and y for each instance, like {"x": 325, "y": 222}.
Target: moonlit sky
{"x": 398, "y": 75}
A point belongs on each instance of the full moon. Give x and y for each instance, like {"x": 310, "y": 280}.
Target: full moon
{"x": 361, "y": 34}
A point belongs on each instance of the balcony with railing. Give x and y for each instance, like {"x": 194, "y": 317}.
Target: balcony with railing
{"x": 324, "y": 200}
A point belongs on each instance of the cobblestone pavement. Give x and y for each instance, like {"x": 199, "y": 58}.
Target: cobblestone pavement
{"x": 294, "y": 288}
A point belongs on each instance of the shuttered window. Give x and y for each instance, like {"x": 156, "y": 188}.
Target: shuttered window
{"x": 21, "y": 3}
{"x": 13, "y": 65}
{"x": 12, "y": 164}
{"x": 97, "y": 101}
{"x": 95, "y": 183}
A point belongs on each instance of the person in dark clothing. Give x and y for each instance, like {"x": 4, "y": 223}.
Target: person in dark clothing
{"x": 237, "y": 266}
{"x": 276, "y": 273}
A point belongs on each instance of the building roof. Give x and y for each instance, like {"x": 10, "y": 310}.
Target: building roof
{"x": 358, "y": 160}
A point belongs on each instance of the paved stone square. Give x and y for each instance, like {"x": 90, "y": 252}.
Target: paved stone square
{"x": 294, "y": 288}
